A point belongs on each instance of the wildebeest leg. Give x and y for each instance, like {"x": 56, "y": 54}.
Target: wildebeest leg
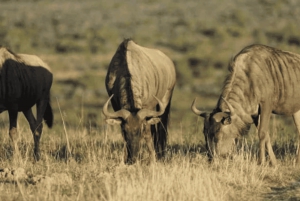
{"x": 150, "y": 145}
{"x": 13, "y": 133}
{"x": 256, "y": 121}
{"x": 37, "y": 132}
{"x": 155, "y": 139}
{"x": 162, "y": 128}
{"x": 264, "y": 137}
{"x": 31, "y": 119}
{"x": 32, "y": 122}
{"x": 127, "y": 156}
{"x": 296, "y": 117}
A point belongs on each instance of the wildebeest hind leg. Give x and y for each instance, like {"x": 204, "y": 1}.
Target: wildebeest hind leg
{"x": 296, "y": 117}
{"x": 31, "y": 119}
{"x": 40, "y": 110}
{"x": 33, "y": 125}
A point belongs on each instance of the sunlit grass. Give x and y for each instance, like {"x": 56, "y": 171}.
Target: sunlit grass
{"x": 95, "y": 170}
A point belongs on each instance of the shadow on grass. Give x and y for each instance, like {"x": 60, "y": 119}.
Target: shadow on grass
{"x": 281, "y": 150}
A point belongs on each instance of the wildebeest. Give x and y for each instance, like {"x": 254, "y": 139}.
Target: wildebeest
{"x": 262, "y": 80}
{"x": 140, "y": 82}
{"x": 25, "y": 80}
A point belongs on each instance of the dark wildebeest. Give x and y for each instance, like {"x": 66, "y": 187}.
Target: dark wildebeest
{"x": 262, "y": 80}
{"x": 140, "y": 82}
{"x": 25, "y": 80}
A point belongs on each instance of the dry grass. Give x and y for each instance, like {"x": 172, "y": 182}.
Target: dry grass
{"x": 95, "y": 171}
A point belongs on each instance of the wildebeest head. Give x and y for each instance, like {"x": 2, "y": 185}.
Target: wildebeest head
{"x": 219, "y": 131}
{"x": 135, "y": 126}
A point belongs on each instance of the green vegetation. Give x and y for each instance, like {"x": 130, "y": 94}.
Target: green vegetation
{"x": 78, "y": 39}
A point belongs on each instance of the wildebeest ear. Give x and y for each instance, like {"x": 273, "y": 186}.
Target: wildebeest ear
{"x": 153, "y": 121}
{"x": 218, "y": 117}
{"x": 226, "y": 120}
{"x": 113, "y": 121}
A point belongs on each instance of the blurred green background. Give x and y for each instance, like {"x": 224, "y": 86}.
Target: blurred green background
{"x": 78, "y": 39}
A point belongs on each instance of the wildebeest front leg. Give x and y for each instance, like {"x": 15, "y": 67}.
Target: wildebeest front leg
{"x": 162, "y": 128}
{"x": 155, "y": 139}
{"x": 13, "y": 133}
{"x": 264, "y": 137}
{"x": 150, "y": 145}
{"x": 125, "y": 148}
{"x": 296, "y": 117}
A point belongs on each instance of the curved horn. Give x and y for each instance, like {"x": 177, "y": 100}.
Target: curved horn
{"x": 195, "y": 110}
{"x": 232, "y": 112}
{"x": 113, "y": 115}
{"x": 152, "y": 113}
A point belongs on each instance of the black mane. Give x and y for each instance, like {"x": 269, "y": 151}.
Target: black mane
{"x": 119, "y": 62}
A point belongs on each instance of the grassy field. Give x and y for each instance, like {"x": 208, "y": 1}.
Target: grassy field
{"x": 92, "y": 169}
{"x": 82, "y": 158}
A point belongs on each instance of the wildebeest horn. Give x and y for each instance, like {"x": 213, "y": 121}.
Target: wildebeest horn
{"x": 232, "y": 112}
{"x": 152, "y": 113}
{"x": 195, "y": 110}
{"x": 113, "y": 115}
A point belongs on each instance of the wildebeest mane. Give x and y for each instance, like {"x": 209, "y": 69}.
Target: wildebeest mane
{"x": 228, "y": 82}
{"x": 120, "y": 62}
{"x": 231, "y": 82}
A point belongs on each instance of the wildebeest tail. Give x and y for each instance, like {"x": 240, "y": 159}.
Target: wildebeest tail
{"x": 48, "y": 116}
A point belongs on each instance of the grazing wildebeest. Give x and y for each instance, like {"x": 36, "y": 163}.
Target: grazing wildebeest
{"x": 262, "y": 80}
{"x": 140, "y": 82}
{"x": 25, "y": 80}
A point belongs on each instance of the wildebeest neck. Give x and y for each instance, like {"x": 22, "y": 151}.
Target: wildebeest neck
{"x": 238, "y": 93}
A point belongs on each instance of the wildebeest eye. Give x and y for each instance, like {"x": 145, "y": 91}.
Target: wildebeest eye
{"x": 226, "y": 120}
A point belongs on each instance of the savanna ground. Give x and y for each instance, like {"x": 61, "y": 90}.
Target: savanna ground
{"x": 82, "y": 158}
